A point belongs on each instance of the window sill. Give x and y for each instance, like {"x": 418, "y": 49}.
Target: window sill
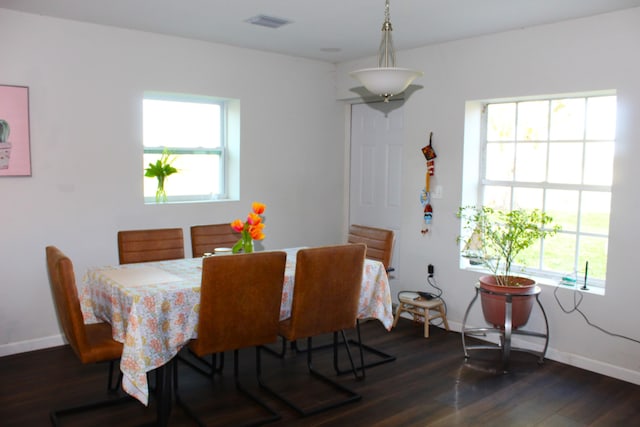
{"x": 550, "y": 282}
{"x": 152, "y": 201}
{"x": 545, "y": 281}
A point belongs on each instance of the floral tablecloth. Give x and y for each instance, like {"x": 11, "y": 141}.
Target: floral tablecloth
{"x": 153, "y": 309}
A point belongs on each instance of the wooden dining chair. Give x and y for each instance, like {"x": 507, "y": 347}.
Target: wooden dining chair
{"x": 379, "y": 243}
{"x": 206, "y": 238}
{"x": 325, "y": 300}
{"x": 240, "y": 301}
{"x": 91, "y": 343}
{"x": 158, "y": 244}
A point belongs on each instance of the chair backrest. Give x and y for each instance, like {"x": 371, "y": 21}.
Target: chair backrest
{"x": 379, "y": 242}
{"x": 65, "y": 296}
{"x": 240, "y": 300}
{"x": 150, "y": 245}
{"x": 205, "y": 238}
{"x": 327, "y": 288}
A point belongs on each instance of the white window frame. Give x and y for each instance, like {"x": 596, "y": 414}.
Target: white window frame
{"x": 474, "y": 181}
{"x": 228, "y": 151}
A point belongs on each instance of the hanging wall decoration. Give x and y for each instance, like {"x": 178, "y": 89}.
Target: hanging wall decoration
{"x": 15, "y": 155}
{"x": 425, "y": 196}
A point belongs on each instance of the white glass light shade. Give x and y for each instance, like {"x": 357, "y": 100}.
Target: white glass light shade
{"x": 386, "y": 81}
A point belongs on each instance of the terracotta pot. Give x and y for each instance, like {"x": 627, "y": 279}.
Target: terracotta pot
{"x": 493, "y": 305}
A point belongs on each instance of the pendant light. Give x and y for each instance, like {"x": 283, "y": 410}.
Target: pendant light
{"x": 386, "y": 80}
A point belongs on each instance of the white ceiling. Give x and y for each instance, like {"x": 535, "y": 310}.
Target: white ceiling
{"x": 328, "y": 30}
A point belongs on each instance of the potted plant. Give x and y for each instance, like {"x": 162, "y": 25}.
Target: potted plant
{"x": 495, "y": 239}
{"x": 161, "y": 169}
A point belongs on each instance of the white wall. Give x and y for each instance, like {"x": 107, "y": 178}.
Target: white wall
{"x": 86, "y": 84}
{"x": 597, "y": 53}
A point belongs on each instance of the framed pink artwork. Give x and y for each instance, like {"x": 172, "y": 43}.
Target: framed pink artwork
{"x": 15, "y": 153}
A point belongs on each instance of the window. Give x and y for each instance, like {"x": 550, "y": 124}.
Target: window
{"x": 555, "y": 155}
{"x": 196, "y": 132}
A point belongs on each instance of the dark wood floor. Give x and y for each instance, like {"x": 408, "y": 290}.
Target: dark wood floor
{"x": 430, "y": 384}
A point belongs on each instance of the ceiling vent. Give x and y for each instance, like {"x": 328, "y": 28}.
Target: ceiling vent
{"x": 267, "y": 21}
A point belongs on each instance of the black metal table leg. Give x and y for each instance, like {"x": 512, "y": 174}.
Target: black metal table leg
{"x": 164, "y": 393}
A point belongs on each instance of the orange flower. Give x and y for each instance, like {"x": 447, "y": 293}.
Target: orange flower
{"x": 254, "y": 219}
{"x": 258, "y": 207}
{"x": 255, "y": 231}
{"x": 250, "y": 230}
{"x": 237, "y": 225}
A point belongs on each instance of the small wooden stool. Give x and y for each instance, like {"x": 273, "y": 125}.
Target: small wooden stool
{"x": 421, "y": 308}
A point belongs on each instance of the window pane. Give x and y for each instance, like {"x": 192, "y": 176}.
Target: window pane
{"x": 567, "y": 119}
{"x": 501, "y": 120}
{"x": 198, "y": 174}
{"x": 181, "y": 124}
{"x": 531, "y": 159}
{"x": 527, "y": 198}
{"x": 559, "y": 253}
{"x": 556, "y": 155}
{"x": 596, "y": 206}
{"x": 565, "y": 163}
{"x": 533, "y": 121}
{"x": 562, "y": 206}
{"x": 500, "y": 161}
{"x": 601, "y": 118}
{"x": 497, "y": 197}
{"x": 594, "y": 250}
{"x": 529, "y": 257}
{"x": 192, "y": 129}
{"x": 598, "y": 163}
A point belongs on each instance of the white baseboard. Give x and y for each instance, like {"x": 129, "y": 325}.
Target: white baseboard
{"x": 577, "y": 361}
{"x": 30, "y": 345}
{"x": 581, "y": 362}
{"x": 607, "y": 369}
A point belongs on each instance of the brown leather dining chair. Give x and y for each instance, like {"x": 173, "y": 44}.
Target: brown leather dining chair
{"x": 158, "y": 244}
{"x": 91, "y": 343}
{"x": 206, "y": 238}
{"x": 161, "y": 244}
{"x": 240, "y": 301}
{"x": 325, "y": 300}
{"x": 379, "y": 243}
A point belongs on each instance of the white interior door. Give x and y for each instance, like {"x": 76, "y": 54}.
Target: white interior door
{"x": 377, "y": 135}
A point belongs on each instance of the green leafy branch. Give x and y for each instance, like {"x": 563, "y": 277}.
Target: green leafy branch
{"x": 503, "y": 235}
{"x": 161, "y": 169}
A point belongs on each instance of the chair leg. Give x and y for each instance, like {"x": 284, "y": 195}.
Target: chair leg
{"x": 353, "y": 369}
{"x": 55, "y": 415}
{"x": 352, "y": 396}
{"x": 110, "y": 387}
{"x": 280, "y": 354}
{"x": 201, "y": 365}
{"x": 273, "y": 415}
{"x": 382, "y": 356}
{"x": 58, "y": 413}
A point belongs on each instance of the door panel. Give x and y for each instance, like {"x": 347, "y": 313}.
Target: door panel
{"x": 377, "y": 135}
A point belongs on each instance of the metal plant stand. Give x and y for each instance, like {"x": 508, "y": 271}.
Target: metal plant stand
{"x": 505, "y": 334}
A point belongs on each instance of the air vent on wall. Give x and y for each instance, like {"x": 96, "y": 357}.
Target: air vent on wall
{"x": 268, "y": 21}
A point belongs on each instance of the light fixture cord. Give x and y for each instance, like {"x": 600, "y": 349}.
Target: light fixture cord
{"x": 386, "y": 53}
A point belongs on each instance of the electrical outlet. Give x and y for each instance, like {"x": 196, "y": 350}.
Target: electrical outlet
{"x": 430, "y": 270}
{"x": 437, "y": 192}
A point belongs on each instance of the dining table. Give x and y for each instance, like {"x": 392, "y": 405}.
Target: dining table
{"x": 153, "y": 308}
